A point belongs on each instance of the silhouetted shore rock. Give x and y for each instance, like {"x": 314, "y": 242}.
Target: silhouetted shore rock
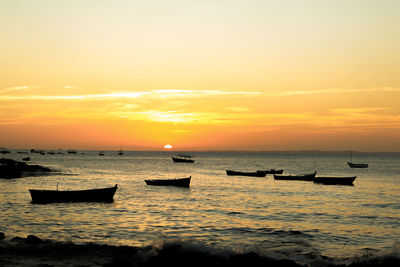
{"x": 33, "y": 251}
{"x": 10, "y": 169}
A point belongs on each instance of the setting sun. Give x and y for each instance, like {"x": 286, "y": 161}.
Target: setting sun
{"x": 168, "y": 146}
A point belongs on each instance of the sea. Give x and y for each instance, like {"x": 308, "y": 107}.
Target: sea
{"x": 308, "y": 223}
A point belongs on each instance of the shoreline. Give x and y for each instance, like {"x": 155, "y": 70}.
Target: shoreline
{"x": 33, "y": 251}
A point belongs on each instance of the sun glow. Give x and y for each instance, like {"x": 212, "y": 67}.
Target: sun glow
{"x": 167, "y": 146}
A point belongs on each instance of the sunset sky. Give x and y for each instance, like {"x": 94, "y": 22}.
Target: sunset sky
{"x": 200, "y": 75}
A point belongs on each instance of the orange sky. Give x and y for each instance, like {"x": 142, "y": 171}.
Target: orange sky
{"x": 245, "y": 75}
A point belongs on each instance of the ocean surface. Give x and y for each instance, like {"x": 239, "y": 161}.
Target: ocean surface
{"x": 294, "y": 220}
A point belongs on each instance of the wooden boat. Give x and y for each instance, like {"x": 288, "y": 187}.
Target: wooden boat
{"x": 272, "y": 171}
{"x": 181, "y": 182}
{"x": 357, "y": 165}
{"x": 36, "y": 151}
{"x": 90, "y": 195}
{"x": 335, "y": 180}
{"x": 4, "y": 151}
{"x": 255, "y": 174}
{"x": 183, "y": 158}
{"x": 300, "y": 177}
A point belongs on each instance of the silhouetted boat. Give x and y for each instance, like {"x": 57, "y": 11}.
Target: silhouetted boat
{"x": 90, "y": 195}
{"x": 72, "y": 151}
{"x": 300, "y": 177}
{"x": 101, "y": 153}
{"x": 4, "y": 151}
{"x": 356, "y": 165}
{"x": 120, "y": 152}
{"x": 22, "y": 152}
{"x": 335, "y": 180}
{"x": 255, "y": 174}
{"x": 181, "y": 182}
{"x": 26, "y": 159}
{"x": 183, "y": 158}
{"x": 272, "y": 171}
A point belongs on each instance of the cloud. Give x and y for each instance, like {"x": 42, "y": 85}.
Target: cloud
{"x": 15, "y": 88}
{"x": 331, "y": 91}
{"x": 167, "y": 93}
{"x": 371, "y": 110}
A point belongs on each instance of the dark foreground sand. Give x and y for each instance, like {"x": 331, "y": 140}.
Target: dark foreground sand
{"x": 32, "y": 251}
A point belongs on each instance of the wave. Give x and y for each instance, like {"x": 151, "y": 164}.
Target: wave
{"x": 35, "y": 251}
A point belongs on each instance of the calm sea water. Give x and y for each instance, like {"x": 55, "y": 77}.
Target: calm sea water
{"x": 286, "y": 219}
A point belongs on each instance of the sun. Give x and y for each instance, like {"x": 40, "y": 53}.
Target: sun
{"x": 168, "y": 146}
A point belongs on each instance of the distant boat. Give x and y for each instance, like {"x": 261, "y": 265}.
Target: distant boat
{"x": 36, "y": 151}
{"x": 183, "y": 158}
{"x": 22, "y": 152}
{"x": 180, "y": 182}
{"x": 72, "y": 151}
{"x": 120, "y": 152}
{"x": 101, "y": 153}
{"x": 26, "y": 159}
{"x": 90, "y": 195}
{"x": 335, "y": 180}
{"x": 272, "y": 171}
{"x": 4, "y": 151}
{"x": 300, "y": 177}
{"x": 255, "y": 174}
{"x": 356, "y": 165}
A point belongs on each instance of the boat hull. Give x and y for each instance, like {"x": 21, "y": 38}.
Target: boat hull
{"x": 357, "y": 165}
{"x": 181, "y": 182}
{"x": 91, "y": 195}
{"x": 335, "y": 180}
{"x": 305, "y": 177}
{"x": 254, "y": 174}
{"x": 181, "y": 160}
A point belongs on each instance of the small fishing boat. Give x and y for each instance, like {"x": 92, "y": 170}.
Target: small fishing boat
{"x": 72, "y": 152}
{"x": 181, "y": 182}
{"x": 299, "y": 177}
{"x": 183, "y": 158}
{"x": 335, "y": 180}
{"x": 255, "y": 174}
{"x": 90, "y": 195}
{"x": 101, "y": 153}
{"x": 4, "y": 151}
{"x": 356, "y": 165}
{"x": 121, "y": 152}
{"x": 272, "y": 171}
